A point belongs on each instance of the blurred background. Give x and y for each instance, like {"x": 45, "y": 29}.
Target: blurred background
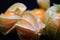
{"x": 31, "y": 4}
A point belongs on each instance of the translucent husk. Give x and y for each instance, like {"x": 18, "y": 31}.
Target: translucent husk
{"x": 27, "y": 34}
{"x": 26, "y": 37}
{"x": 51, "y": 21}
{"x": 30, "y": 32}
{"x": 18, "y": 8}
{"x": 6, "y": 26}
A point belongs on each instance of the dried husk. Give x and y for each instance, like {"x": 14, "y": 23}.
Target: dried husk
{"x": 7, "y": 24}
{"x": 20, "y": 7}
{"x": 26, "y": 28}
{"x": 51, "y": 21}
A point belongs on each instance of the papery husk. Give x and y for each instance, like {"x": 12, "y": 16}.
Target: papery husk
{"x": 29, "y": 27}
{"x": 7, "y": 24}
{"x": 30, "y": 18}
{"x": 25, "y": 29}
{"x": 19, "y": 7}
{"x": 51, "y": 21}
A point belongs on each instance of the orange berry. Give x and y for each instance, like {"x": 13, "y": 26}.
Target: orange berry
{"x": 39, "y": 13}
{"x": 58, "y": 22}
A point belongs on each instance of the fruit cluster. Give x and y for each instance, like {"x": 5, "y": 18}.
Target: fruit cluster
{"x": 27, "y": 23}
{"x": 30, "y": 24}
